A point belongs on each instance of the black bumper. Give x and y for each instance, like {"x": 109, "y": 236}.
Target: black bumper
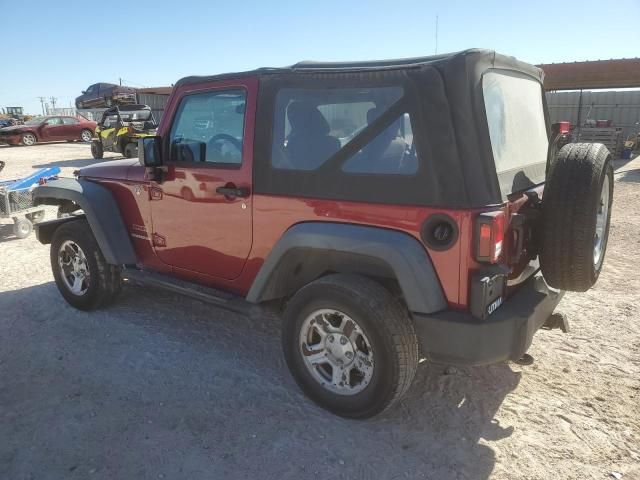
{"x": 458, "y": 338}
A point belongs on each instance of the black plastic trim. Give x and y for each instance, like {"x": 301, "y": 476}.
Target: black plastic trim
{"x": 308, "y": 250}
{"x": 101, "y": 211}
{"x": 458, "y": 338}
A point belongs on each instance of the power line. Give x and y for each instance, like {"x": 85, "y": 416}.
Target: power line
{"x": 42, "y": 103}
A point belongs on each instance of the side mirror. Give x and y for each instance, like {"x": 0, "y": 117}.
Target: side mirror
{"x": 149, "y": 152}
{"x": 84, "y": 92}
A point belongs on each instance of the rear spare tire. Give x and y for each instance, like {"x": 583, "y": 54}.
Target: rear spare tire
{"x": 576, "y": 207}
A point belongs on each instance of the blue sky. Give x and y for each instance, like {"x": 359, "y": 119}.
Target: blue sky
{"x": 58, "y": 48}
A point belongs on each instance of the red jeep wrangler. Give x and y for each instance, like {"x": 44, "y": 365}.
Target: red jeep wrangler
{"x": 392, "y": 209}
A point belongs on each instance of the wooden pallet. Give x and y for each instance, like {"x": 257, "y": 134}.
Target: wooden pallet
{"x": 611, "y": 137}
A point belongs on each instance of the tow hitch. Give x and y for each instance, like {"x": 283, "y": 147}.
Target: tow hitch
{"x": 557, "y": 320}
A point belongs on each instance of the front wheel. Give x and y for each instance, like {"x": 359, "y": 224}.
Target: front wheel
{"x": 82, "y": 275}
{"x": 29, "y": 139}
{"x": 96, "y": 149}
{"x": 350, "y": 345}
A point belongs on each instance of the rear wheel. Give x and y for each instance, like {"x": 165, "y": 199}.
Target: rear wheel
{"x": 86, "y": 135}
{"x": 81, "y": 273}
{"x": 350, "y": 345}
{"x": 96, "y": 149}
{"x": 130, "y": 150}
{"x": 28, "y": 139}
{"x": 576, "y": 207}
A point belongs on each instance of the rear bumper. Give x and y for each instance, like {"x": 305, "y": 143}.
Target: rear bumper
{"x": 458, "y": 338}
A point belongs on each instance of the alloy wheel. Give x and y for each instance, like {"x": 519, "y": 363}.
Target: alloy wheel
{"x": 28, "y": 139}
{"x": 602, "y": 217}
{"x": 74, "y": 267}
{"x": 336, "y": 352}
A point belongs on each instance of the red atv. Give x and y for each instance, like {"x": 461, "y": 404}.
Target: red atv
{"x": 391, "y": 209}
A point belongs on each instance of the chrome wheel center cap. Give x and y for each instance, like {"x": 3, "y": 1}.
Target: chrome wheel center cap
{"x": 339, "y": 348}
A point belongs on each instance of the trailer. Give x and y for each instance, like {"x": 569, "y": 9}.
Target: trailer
{"x": 16, "y": 200}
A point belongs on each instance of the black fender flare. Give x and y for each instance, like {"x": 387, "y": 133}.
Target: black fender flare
{"x": 100, "y": 210}
{"x": 307, "y": 250}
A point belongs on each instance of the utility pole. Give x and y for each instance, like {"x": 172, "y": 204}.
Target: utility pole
{"x": 42, "y": 103}
{"x": 53, "y": 101}
{"x": 120, "y": 79}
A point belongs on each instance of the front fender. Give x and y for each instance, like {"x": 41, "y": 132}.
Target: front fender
{"x": 101, "y": 211}
{"x": 308, "y": 250}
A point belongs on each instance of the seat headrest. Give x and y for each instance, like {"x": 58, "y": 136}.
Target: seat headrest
{"x": 305, "y": 116}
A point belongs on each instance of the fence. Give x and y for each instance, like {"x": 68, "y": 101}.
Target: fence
{"x": 621, "y": 107}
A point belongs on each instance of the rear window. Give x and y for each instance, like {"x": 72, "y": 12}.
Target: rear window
{"x": 517, "y": 129}
{"x": 311, "y": 126}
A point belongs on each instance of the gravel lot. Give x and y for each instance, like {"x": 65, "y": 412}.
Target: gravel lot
{"x": 159, "y": 386}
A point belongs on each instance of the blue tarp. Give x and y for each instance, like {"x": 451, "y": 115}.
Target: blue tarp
{"x": 32, "y": 180}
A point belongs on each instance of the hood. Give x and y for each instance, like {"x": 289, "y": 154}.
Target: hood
{"x": 114, "y": 169}
{"x": 16, "y": 128}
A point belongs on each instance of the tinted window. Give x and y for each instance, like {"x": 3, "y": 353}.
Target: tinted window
{"x": 70, "y": 121}
{"x": 391, "y": 152}
{"x": 517, "y": 129}
{"x": 310, "y": 126}
{"x": 209, "y": 127}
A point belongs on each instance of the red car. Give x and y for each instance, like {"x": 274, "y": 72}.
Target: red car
{"x": 48, "y": 129}
{"x": 391, "y": 210}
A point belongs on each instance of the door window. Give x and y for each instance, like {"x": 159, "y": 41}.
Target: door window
{"x": 54, "y": 121}
{"x": 70, "y": 121}
{"x": 209, "y": 127}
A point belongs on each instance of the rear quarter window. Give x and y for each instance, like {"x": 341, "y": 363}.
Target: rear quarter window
{"x": 517, "y": 128}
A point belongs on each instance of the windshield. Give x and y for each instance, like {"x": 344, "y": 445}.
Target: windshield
{"x": 35, "y": 121}
{"x": 517, "y": 128}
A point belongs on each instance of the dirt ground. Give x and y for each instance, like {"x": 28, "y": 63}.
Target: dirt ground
{"x": 158, "y": 386}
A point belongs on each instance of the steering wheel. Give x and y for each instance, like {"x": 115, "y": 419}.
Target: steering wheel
{"x": 227, "y": 138}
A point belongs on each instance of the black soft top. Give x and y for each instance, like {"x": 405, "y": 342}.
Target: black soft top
{"x": 444, "y": 96}
{"x": 476, "y": 58}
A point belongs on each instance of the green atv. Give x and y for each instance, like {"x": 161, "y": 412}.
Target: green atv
{"x": 120, "y": 128}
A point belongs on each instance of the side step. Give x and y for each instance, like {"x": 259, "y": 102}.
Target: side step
{"x": 210, "y": 295}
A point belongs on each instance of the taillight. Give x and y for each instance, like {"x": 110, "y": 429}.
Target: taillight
{"x": 490, "y": 235}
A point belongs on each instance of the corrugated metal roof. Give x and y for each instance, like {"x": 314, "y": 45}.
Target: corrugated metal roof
{"x": 618, "y": 73}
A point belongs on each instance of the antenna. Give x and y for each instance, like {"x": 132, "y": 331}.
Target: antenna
{"x": 436, "y": 34}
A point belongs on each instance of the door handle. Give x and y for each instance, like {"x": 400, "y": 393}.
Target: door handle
{"x": 233, "y": 191}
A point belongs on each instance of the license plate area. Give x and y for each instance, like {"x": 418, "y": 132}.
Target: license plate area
{"x": 487, "y": 293}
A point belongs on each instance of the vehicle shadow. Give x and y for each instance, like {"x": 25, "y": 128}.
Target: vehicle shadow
{"x": 162, "y": 373}
{"x": 632, "y": 176}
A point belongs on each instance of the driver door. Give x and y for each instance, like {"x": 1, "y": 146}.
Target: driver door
{"x": 202, "y": 210}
